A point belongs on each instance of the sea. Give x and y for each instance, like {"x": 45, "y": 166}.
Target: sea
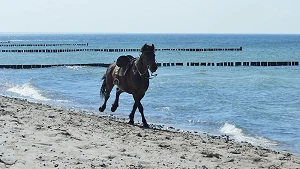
{"x": 255, "y": 104}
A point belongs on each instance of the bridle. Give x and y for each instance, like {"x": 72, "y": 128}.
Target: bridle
{"x": 143, "y": 74}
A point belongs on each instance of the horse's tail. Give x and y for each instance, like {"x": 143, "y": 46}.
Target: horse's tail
{"x": 103, "y": 87}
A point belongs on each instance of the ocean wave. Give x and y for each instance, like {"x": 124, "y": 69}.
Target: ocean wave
{"x": 27, "y": 90}
{"x": 239, "y": 135}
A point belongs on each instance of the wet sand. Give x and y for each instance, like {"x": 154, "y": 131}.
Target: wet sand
{"x": 34, "y": 135}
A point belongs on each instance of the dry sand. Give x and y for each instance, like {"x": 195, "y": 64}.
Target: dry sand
{"x": 33, "y": 135}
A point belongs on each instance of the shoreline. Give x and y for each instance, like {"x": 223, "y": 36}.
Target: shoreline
{"x": 34, "y": 135}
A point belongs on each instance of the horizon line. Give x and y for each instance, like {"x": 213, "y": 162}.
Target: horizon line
{"x": 178, "y": 33}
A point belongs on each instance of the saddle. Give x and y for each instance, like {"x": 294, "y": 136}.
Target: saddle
{"x": 123, "y": 61}
{"x": 123, "y": 64}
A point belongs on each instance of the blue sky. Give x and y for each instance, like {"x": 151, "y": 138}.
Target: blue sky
{"x": 151, "y": 16}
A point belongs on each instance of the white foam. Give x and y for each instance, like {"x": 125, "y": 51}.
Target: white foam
{"x": 240, "y": 136}
{"x": 27, "y": 90}
{"x": 74, "y": 67}
{"x": 63, "y": 101}
{"x": 166, "y": 108}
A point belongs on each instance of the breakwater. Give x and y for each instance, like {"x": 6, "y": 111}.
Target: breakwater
{"x": 52, "y": 65}
{"x": 113, "y": 50}
{"x": 8, "y": 44}
{"x": 292, "y": 63}
{"x": 4, "y": 42}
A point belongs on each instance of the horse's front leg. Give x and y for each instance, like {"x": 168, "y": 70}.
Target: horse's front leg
{"x": 116, "y": 103}
{"x": 141, "y": 109}
{"x": 138, "y": 104}
{"x": 131, "y": 115}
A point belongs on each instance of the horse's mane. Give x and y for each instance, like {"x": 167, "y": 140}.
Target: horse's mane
{"x": 148, "y": 48}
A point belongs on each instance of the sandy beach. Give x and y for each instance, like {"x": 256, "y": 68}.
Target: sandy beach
{"x": 33, "y": 135}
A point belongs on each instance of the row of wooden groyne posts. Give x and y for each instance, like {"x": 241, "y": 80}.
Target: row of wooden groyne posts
{"x": 8, "y": 44}
{"x": 115, "y": 50}
{"x": 292, "y": 63}
{"x": 4, "y": 42}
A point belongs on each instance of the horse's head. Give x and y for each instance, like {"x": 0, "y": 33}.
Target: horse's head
{"x": 148, "y": 56}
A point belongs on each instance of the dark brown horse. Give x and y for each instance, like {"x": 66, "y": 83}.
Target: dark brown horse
{"x": 130, "y": 75}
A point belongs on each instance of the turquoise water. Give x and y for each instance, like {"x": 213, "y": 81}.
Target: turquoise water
{"x": 260, "y": 105}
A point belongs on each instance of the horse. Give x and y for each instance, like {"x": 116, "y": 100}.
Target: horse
{"x": 130, "y": 75}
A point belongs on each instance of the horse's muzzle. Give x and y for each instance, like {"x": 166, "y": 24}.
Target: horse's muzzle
{"x": 152, "y": 67}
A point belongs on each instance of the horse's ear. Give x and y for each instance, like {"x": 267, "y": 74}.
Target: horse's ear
{"x": 144, "y": 47}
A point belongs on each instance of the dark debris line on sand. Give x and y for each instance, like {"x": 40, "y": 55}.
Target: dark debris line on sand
{"x": 7, "y": 163}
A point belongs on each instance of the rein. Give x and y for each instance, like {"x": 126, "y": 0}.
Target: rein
{"x": 142, "y": 74}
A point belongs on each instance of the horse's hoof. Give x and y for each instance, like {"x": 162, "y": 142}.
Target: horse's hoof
{"x": 101, "y": 109}
{"x": 146, "y": 125}
{"x": 114, "y": 108}
{"x": 131, "y": 122}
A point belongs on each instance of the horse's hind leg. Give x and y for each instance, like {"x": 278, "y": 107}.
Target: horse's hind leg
{"x": 107, "y": 95}
{"x": 116, "y": 103}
